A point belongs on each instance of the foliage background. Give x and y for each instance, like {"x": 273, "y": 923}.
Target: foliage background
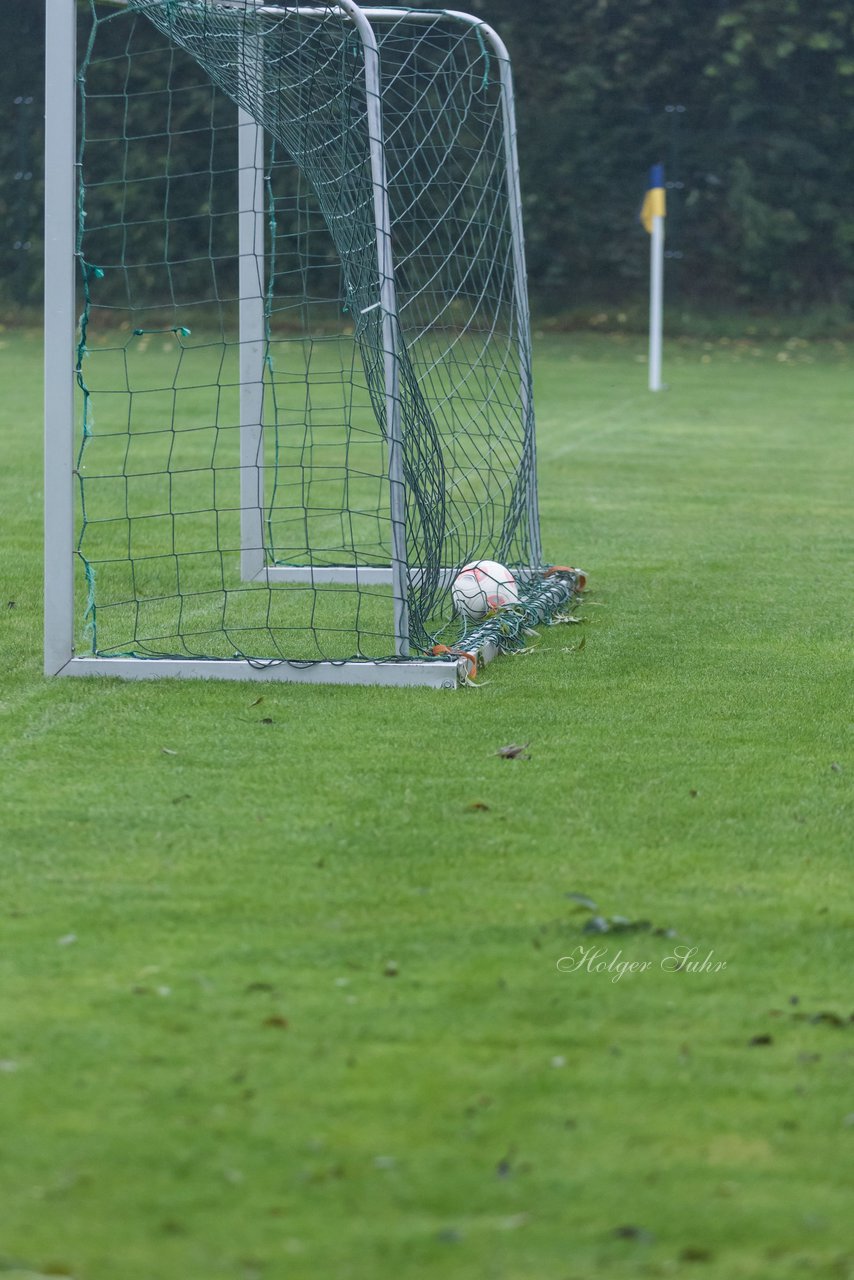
{"x": 749, "y": 105}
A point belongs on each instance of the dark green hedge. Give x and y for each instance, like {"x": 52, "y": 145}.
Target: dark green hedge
{"x": 764, "y": 211}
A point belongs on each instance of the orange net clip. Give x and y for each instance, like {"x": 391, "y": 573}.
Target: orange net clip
{"x": 471, "y": 658}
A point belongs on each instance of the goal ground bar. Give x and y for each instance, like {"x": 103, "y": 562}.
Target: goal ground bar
{"x": 436, "y": 675}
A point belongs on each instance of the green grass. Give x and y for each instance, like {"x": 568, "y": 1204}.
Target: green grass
{"x": 278, "y": 999}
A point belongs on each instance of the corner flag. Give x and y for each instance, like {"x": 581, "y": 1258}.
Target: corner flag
{"x": 654, "y": 204}
{"x": 652, "y": 216}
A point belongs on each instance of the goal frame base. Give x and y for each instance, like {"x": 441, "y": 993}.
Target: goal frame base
{"x": 436, "y": 674}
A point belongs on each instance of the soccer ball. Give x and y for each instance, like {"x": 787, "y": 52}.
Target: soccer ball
{"x": 482, "y": 587}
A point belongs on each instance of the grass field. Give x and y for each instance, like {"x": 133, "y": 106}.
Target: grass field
{"x": 280, "y": 992}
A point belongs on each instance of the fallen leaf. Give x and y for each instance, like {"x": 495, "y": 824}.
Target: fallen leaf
{"x": 170, "y": 1227}
{"x": 597, "y": 924}
{"x": 621, "y": 924}
{"x": 275, "y": 1021}
{"x": 479, "y": 806}
{"x": 630, "y": 1232}
{"x": 514, "y": 751}
{"x": 827, "y": 1016}
{"x": 582, "y": 900}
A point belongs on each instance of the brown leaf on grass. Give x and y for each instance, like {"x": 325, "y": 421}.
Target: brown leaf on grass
{"x": 631, "y": 1232}
{"x": 171, "y": 1227}
{"x": 514, "y": 751}
{"x": 828, "y": 1016}
{"x": 479, "y": 806}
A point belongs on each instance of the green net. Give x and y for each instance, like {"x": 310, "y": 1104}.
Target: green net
{"x": 295, "y": 431}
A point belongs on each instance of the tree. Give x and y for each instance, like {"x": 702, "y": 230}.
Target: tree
{"x": 765, "y": 214}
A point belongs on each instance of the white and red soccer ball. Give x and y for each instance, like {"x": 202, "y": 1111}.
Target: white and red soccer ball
{"x": 482, "y": 587}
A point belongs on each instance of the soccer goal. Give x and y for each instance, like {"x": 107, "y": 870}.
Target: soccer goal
{"x": 288, "y": 368}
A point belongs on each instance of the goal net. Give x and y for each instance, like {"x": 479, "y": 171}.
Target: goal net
{"x": 303, "y": 354}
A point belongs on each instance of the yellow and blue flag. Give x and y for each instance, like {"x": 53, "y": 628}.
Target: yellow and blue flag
{"x": 654, "y": 205}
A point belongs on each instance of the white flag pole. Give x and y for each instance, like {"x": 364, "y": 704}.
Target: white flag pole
{"x": 656, "y": 302}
